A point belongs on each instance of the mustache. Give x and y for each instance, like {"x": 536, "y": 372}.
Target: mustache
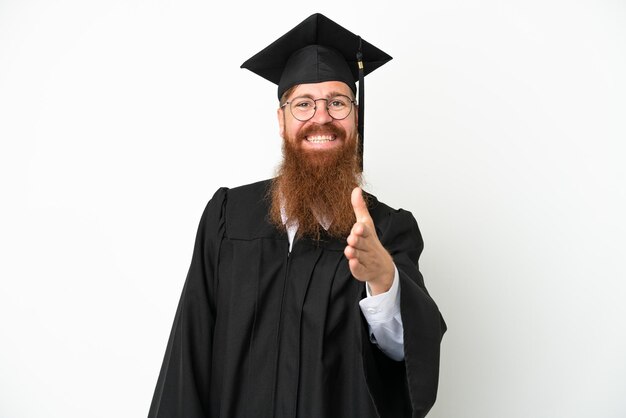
{"x": 327, "y": 129}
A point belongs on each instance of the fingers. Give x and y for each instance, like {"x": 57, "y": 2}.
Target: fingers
{"x": 357, "y": 268}
{"x": 367, "y": 258}
{"x": 361, "y": 250}
{"x": 362, "y": 229}
{"x": 351, "y": 253}
{"x": 359, "y": 206}
{"x": 359, "y": 230}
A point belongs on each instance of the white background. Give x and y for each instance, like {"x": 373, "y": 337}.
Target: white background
{"x": 499, "y": 124}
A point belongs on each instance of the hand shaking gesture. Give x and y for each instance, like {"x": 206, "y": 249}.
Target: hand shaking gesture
{"x": 369, "y": 261}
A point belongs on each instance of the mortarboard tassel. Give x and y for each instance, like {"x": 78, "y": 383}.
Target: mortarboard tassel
{"x": 359, "y": 58}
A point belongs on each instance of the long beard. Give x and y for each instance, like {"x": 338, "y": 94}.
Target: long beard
{"x": 315, "y": 186}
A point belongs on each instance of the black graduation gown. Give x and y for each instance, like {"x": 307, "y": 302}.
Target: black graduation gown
{"x": 260, "y": 332}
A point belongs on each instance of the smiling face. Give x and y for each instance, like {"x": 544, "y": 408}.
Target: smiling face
{"x": 320, "y": 165}
{"x": 321, "y": 132}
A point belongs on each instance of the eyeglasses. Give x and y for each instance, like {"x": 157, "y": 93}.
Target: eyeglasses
{"x": 304, "y": 108}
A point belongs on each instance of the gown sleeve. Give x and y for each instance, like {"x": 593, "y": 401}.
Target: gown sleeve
{"x": 183, "y": 384}
{"x": 406, "y": 388}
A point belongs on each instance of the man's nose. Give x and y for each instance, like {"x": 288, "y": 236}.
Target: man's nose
{"x": 321, "y": 115}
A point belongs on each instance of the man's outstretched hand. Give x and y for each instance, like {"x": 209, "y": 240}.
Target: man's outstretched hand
{"x": 369, "y": 260}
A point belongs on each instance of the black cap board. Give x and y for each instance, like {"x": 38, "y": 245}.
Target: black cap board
{"x": 318, "y": 50}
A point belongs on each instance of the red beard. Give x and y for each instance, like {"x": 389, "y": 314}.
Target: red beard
{"x": 314, "y": 185}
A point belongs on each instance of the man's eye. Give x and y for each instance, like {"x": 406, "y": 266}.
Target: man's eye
{"x": 303, "y": 105}
{"x": 339, "y": 101}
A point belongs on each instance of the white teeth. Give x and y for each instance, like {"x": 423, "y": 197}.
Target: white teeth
{"x": 320, "y": 138}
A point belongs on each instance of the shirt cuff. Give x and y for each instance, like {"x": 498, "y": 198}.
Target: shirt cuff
{"x": 384, "y": 306}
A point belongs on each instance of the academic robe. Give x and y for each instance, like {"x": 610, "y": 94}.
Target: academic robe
{"x": 264, "y": 332}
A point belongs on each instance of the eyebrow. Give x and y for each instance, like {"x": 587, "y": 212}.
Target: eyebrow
{"x": 329, "y": 95}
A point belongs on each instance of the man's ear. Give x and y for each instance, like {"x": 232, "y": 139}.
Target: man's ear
{"x": 280, "y": 114}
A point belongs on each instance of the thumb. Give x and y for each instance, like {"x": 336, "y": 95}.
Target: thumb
{"x": 359, "y": 206}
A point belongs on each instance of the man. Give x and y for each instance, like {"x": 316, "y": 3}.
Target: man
{"x": 304, "y": 297}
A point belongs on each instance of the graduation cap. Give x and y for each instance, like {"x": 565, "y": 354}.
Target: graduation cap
{"x": 318, "y": 50}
